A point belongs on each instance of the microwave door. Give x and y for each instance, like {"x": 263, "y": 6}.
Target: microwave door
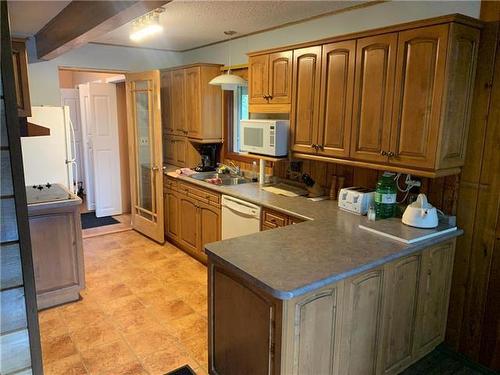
{"x": 253, "y": 138}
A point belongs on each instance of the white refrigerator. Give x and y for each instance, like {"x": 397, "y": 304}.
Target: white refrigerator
{"x": 51, "y": 158}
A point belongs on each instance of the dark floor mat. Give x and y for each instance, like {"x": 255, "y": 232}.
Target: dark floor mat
{"x": 89, "y": 220}
{"x": 184, "y": 370}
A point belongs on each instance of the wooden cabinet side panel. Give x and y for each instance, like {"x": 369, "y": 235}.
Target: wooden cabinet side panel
{"x": 244, "y": 327}
{"x": 56, "y": 264}
{"x": 280, "y": 77}
{"x": 305, "y": 98}
{"x": 373, "y": 96}
{"x": 461, "y": 72}
{"x": 361, "y": 324}
{"x": 398, "y": 325}
{"x": 420, "y": 74}
{"x": 337, "y": 86}
{"x": 258, "y": 79}
{"x": 20, "y": 65}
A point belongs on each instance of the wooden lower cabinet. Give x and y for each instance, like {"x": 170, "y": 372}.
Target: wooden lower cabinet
{"x": 192, "y": 219}
{"x": 271, "y": 219}
{"x": 378, "y": 322}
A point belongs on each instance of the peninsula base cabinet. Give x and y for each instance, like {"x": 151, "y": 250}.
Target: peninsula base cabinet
{"x": 377, "y": 322}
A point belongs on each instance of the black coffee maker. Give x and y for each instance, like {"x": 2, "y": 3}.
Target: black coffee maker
{"x": 208, "y": 161}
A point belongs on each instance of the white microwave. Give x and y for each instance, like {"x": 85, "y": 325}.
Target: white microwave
{"x": 265, "y": 137}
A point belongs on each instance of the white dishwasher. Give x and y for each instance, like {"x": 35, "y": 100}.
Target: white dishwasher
{"x": 239, "y": 217}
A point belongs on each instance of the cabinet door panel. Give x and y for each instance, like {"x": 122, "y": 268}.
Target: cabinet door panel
{"x": 210, "y": 225}
{"x": 258, "y": 76}
{"x": 373, "y": 95}
{"x": 315, "y": 333}
{"x": 181, "y": 151}
{"x": 166, "y": 102}
{"x": 360, "y": 342}
{"x": 337, "y": 86}
{"x": 171, "y": 214}
{"x": 280, "y": 77}
{"x": 434, "y": 287}
{"x": 20, "y": 66}
{"x": 179, "y": 102}
{"x": 169, "y": 149}
{"x": 193, "y": 101}
{"x": 306, "y": 87}
{"x": 420, "y": 73}
{"x": 399, "y": 314}
{"x": 188, "y": 222}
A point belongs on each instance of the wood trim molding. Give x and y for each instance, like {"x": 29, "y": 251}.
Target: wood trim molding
{"x": 83, "y": 21}
{"x": 381, "y": 167}
{"x": 92, "y": 70}
{"x": 459, "y": 18}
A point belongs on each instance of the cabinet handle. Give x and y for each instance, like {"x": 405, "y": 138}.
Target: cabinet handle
{"x": 383, "y": 153}
{"x": 391, "y": 154}
{"x": 315, "y": 146}
{"x": 269, "y": 97}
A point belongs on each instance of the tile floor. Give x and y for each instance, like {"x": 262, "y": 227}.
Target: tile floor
{"x": 144, "y": 311}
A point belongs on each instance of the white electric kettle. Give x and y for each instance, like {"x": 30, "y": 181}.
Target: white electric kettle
{"x": 421, "y": 214}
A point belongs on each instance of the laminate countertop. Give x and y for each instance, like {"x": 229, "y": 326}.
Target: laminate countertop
{"x": 293, "y": 260}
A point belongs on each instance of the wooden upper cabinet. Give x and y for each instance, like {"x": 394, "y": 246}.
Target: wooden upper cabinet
{"x": 258, "y": 74}
{"x": 373, "y": 96}
{"x": 458, "y": 90}
{"x": 193, "y": 100}
{"x": 178, "y": 102}
{"x": 420, "y": 75}
{"x": 20, "y": 65}
{"x": 280, "y": 77}
{"x": 337, "y": 86}
{"x": 306, "y": 88}
{"x": 270, "y": 82}
{"x": 166, "y": 102}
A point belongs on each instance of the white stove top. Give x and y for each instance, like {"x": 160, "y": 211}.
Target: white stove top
{"x": 46, "y": 193}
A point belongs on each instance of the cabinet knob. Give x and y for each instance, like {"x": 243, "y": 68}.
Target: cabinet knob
{"x": 391, "y": 154}
{"x": 383, "y": 153}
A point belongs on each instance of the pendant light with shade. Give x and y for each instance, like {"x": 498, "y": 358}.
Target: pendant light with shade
{"x": 226, "y": 80}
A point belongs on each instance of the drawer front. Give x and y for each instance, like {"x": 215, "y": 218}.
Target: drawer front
{"x": 169, "y": 183}
{"x": 201, "y": 194}
{"x": 274, "y": 219}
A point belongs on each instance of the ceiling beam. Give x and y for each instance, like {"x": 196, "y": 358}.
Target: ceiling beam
{"x": 83, "y": 21}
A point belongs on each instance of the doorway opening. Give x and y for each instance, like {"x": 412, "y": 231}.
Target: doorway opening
{"x": 98, "y": 112}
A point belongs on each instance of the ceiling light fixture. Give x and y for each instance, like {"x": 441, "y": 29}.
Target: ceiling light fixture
{"x": 227, "y": 80}
{"x": 146, "y": 25}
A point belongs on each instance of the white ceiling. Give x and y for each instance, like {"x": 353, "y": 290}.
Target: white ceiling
{"x": 191, "y": 24}
{"x": 28, "y": 17}
{"x": 187, "y": 24}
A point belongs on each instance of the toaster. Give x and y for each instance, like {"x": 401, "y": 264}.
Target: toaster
{"x": 356, "y": 199}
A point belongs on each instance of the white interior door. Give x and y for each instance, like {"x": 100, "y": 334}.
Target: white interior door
{"x": 70, "y": 98}
{"x": 102, "y": 143}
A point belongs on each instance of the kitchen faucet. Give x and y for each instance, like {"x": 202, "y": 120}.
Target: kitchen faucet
{"x": 233, "y": 168}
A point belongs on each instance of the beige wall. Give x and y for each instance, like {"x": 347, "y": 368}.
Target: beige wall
{"x": 68, "y": 79}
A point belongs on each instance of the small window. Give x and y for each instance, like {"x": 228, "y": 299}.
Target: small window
{"x": 240, "y": 113}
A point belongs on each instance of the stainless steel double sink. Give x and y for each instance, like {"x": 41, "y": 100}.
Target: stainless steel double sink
{"x": 220, "y": 178}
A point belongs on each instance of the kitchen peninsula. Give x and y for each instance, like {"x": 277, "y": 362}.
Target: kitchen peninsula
{"x": 342, "y": 301}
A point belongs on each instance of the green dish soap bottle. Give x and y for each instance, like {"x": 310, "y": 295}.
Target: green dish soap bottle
{"x": 385, "y": 196}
